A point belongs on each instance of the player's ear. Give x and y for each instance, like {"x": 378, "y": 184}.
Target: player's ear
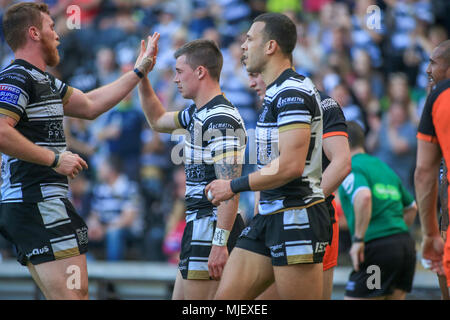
{"x": 271, "y": 47}
{"x": 34, "y": 33}
{"x": 201, "y": 72}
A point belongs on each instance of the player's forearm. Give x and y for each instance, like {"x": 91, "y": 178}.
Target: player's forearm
{"x": 106, "y": 97}
{"x": 14, "y": 144}
{"x": 226, "y": 213}
{"x": 151, "y": 105}
{"x": 334, "y": 174}
{"x": 426, "y": 186}
{"x": 227, "y": 168}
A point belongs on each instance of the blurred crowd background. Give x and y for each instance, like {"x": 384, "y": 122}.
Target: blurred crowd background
{"x": 369, "y": 55}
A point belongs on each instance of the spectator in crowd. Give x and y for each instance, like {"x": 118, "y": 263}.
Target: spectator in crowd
{"x": 362, "y": 68}
{"x": 352, "y": 112}
{"x": 115, "y": 210}
{"x": 122, "y": 134}
{"x": 394, "y": 142}
{"x": 366, "y": 98}
{"x": 397, "y": 89}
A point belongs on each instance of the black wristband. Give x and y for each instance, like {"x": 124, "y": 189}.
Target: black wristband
{"x": 55, "y": 162}
{"x": 240, "y": 184}
{"x": 139, "y": 74}
{"x": 356, "y": 239}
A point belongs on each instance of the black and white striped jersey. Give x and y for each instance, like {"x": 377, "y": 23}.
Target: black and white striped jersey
{"x": 291, "y": 101}
{"x": 213, "y": 132}
{"x": 34, "y": 98}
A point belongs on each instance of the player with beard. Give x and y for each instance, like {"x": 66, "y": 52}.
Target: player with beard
{"x": 36, "y": 215}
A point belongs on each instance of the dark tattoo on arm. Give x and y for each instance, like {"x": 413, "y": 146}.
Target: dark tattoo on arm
{"x": 226, "y": 169}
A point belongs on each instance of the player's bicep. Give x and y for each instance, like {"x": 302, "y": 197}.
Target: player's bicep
{"x": 294, "y": 148}
{"x": 336, "y": 147}
{"x": 78, "y": 105}
{"x": 428, "y": 155}
{"x": 168, "y": 122}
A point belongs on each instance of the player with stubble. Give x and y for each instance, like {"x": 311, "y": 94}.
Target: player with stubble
{"x": 285, "y": 242}
{"x": 214, "y": 144}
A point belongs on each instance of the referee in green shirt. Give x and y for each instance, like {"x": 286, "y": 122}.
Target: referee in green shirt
{"x": 379, "y": 211}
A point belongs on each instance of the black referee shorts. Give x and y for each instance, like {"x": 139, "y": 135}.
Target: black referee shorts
{"x": 394, "y": 257}
{"x": 43, "y": 231}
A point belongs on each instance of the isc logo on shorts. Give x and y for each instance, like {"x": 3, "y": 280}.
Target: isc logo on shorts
{"x": 37, "y": 251}
{"x": 277, "y": 250}
{"x": 320, "y": 247}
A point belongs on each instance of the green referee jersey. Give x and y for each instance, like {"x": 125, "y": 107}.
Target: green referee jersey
{"x": 389, "y": 197}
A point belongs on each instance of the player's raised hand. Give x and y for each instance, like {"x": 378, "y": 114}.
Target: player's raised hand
{"x": 70, "y": 164}
{"x": 147, "y": 55}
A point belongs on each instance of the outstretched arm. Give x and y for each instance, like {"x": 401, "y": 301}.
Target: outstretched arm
{"x": 92, "y": 104}
{"x": 157, "y": 117}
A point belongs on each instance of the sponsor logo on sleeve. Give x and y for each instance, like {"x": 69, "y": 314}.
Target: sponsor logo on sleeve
{"x": 9, "y": 94}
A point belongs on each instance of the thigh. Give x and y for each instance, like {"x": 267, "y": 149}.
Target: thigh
{"x": 270, "y": 293}
{"x": 62, "y": 279}
{"x": 199, "y": 289}
{"x": 245, "y": 276}
{"x": 299, "y": 281}
{"x": 44, "y": 231}
{"x": 178, "y": 290}
{"x": 328, "y": 283}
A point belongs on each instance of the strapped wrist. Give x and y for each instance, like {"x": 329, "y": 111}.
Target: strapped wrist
{"x": 240, "y": 184}
{"x": 220, "y": 237}
{"x": 55, "y": 163}
{"x": 138, "y": 73}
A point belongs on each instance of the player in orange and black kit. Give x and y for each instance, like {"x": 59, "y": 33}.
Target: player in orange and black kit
{"x": 433, "y": 143}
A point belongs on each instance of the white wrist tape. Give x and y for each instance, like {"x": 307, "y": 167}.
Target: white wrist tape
{"x": 220, "y": 237}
